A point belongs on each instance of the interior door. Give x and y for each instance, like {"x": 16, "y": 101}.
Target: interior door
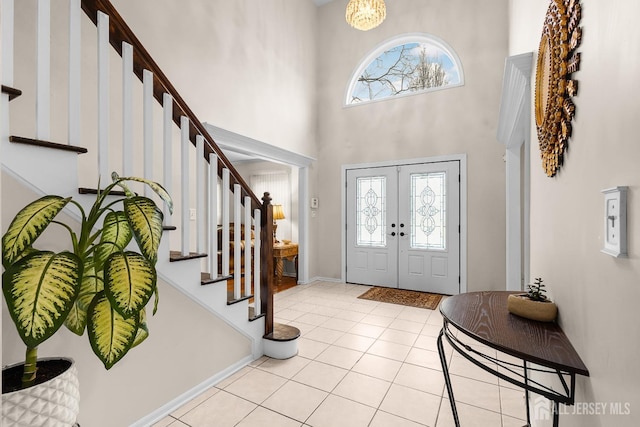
{"x": 403, "y": 227}
{"x": 429, "y": 238}
{"x": 372, "y": 236}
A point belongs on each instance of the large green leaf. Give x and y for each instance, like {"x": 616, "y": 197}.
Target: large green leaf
{"x": 111, "y": 335}
{"x": 27, "y": 226}
{"x": 157, "y": 188}
{"x": 129, "y": 282}
{"x": 40, "y": 290}
{"x": 146, "y": 221}
{"x": 92, "y": 283}
{"x": 116, "y": 235}
{"x": 143, "y": 329}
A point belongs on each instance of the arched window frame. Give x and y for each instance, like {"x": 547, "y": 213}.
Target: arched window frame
{"x": 397, "y": 41}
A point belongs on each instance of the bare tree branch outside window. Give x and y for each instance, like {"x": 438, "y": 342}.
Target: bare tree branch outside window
{"x": 410, "y": 67}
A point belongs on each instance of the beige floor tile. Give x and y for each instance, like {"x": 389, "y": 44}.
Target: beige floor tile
{"x": 197, "y": 401}
{"x": 164, "y": 422}
{"x": 462, "y": 367}
{"x": 355, "y": 342}
{"x": 468, "y": 416}
{"x": 223, "y": 407}
{"x": 362, "y": 388}
{"x": 324, "y": 335}
{"x": 295, "y": 400}
{"x": 326, "y": 311}
{"x": 399, "y": 337}
{"x": 312, "y": 319}
{"x": 262, "y": 417}
{"x": 289, "y": 314}
{"x": 304, "y": 327}
{"x": 256, "y": 386}
{"x": 384, "y": 419}
{"x": 320, "y": 375}
{"x": 476, "y": 393}
{"x": 377, "y": 320}
{"x": 350, "y": 315}
{"x": 419, "y": 378}
{"x": 426, "y": 342}
{"x": 337, "y": 411}
{"x": 388, "y": 310}
{"x": 339, "y": 324}
{"x": 411, "y": 404}
{"x": 431, "y": 330}
{"x": 512, "y": 403}
{"x": 424, "y": 358}
{"x": 371, "y": 331}
{"x": 362, "y": 306}
{"x": 512, "y": 422}
{"x": 259, "y": 361}
{"x": 406, "y": 326}
{"x": 339, "y": 356}
{"x": 378, "y": 367}
{"x": 390, "y": 350}
{"x": 225, "y": 382}
{"x": 415, "y": 314}
{"x": 286, "y": 368}
{"x": 310, "y": 349}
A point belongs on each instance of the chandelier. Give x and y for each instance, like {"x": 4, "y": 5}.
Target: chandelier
{"x": 365, "y": 14}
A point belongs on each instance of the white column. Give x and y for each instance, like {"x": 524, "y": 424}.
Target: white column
{"x": 247, "y": 245}
{"x": 167, "y": 155}
{"x": 103, "y": 98}
{"x": 257, "y": 217}
{"x": 213, "y": 214}
{"x": 225, "y": 222}
{"x": 237, "y": 232}
{"x": 127, "y": 109}
{"x": 200, "y": 213}
{"x": 184, "y": 181}
{"x": 147, "y": 127}
{"x": 74, "y": 72}
{"x": 43, "y": 70}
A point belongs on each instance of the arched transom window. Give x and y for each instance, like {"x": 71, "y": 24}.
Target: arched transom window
{"x": 405, "y": 65}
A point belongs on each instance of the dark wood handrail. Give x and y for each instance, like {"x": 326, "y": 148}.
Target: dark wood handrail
{"x": 120, "y": 32}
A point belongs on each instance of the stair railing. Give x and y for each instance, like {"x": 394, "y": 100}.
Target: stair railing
{"x": 212, "y": 164}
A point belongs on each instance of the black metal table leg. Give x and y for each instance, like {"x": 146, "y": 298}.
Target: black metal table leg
{"x": 526, "y": 392}
{"x": 447, "y": 379}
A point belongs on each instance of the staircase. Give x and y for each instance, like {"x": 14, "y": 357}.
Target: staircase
{"x": 69, "y": 145}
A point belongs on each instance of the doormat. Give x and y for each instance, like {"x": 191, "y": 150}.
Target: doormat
{"x": 403, "y": 297}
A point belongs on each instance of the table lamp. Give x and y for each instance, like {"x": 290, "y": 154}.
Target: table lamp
{"x": 278, "y": 213}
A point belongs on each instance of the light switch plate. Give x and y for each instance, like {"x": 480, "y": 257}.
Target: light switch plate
{"x": 615, "y": 221}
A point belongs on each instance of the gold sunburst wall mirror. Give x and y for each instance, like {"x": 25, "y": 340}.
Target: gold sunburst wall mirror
{"x": 555, "y": 87}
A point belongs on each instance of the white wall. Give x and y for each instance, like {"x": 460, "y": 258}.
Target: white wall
{"x": 453, "y": 121}
{"x": 596, "y": 294}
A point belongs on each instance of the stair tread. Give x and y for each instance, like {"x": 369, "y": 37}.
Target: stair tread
{"x": 177, "y": 256}
{"x": 253, "y": 316}
{"x": 11, "y": 91}
{"x": 231, "y": 300}
{"x": 283, "y": 333}
{"x": 206, "y": 279}
{"x": 84, "y": 190}
{"x": 47, "y": 144}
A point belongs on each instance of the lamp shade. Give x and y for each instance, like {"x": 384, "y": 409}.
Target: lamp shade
{"x": 278, "y": 212}
{"x": 365, "y": 14}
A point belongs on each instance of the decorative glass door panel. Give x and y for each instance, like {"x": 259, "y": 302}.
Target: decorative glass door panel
{"x": 370, "y": 215}
{"x": 428, "y": 215}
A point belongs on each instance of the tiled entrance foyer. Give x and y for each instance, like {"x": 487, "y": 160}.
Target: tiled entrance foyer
{"x": 360, "y": 363}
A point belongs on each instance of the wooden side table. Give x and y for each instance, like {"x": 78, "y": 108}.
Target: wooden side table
{"x": 282, "y": 251}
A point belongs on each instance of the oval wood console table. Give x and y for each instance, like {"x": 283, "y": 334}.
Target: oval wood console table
{"x": 543, "y": 348}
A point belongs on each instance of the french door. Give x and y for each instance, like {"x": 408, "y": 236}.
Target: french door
{"x": 403, "y": 227}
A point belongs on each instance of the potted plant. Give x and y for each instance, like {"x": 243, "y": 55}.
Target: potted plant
{"x": 534, "y": 304}
{"x": 99, "y": 285}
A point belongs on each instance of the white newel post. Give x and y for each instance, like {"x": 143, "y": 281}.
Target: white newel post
{"x": 257, "y": 215}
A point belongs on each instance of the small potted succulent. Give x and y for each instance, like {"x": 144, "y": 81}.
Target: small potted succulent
{"x": 534, "y": 304}
{"x": 99, "y": 285}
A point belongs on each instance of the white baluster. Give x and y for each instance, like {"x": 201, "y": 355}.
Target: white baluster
{"x": 200, "y": 215}
{"x": 225, "y": 222}
{"x": 74, "y": 72}
{"x": 147, "y": 127}
{"x": 103, "y": 98}
{"x": 127, "y": 109}
{"x": 167, "y": 171}
{"x": 247, "y": 245}
{"x": 6, "y": 22}
{"x": 237, "y": 232}
{"x": 213, "y": 215}
{"x": 43, "y": 70}
{"x": 184, "y": 180}
{"x": 257, "y": 217}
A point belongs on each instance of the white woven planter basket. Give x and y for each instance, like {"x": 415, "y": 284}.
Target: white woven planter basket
{"x": 55, "y": 403}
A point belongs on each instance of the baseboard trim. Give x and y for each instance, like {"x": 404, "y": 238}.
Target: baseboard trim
{"x": 189, "y": 395}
